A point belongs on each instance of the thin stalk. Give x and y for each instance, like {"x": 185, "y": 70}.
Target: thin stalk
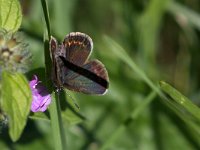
{"x": 59, "y": 138}
{"x": 46, "y": 17}
{"x": 56, "y": 123}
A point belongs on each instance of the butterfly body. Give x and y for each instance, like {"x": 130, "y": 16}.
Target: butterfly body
{"x": 71, "y": 68}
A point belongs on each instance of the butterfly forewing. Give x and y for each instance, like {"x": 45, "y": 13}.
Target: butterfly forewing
{"x": 78, "y": 46}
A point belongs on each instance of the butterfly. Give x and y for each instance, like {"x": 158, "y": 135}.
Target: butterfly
{"x": 71, "y": 68}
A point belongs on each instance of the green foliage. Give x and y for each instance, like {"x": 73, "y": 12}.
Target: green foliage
{"x": 10, "y": 15}
{"x": 180, "y": 100}
{"x": 121, "y": 53}
{"x": 133, "y": 115}
{"x": 16, "y": 101}
{"x": 140, "y": 43}
{"x": 184, "y": 107}
{"x": 149, "y": 24}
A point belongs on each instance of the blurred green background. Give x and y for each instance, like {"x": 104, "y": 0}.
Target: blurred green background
{"x": 160, "y": 36}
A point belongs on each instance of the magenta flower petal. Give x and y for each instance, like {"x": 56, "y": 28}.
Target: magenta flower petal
{"x": 40, "y": 96}
{"x": 33, "y": 82}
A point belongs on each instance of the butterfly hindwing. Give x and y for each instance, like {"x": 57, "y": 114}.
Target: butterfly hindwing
{"x": 91, "y": 78}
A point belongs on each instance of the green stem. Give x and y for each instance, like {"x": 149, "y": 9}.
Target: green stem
{"x": 46, "y": 17}
{"x": 59, "y": 138}
{"x": 56, "y": 123}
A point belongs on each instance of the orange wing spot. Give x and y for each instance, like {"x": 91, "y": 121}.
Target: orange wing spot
{"x": 78, "y": 43}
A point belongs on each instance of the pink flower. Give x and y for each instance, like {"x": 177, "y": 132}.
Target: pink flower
{"x": 40, "y": 96}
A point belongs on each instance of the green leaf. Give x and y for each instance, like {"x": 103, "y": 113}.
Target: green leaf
{"x": 16, "y": 101}
{"x": 39, "y": 116}
{"x": 184, "y": 108}
{"x": 180, "y": 100}
{"x": 10, "y": 15}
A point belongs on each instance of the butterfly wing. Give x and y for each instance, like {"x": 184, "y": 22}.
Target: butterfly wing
{"x": 91, "y": 78}
{"x": 54, "y": 50}
{"x": 71, "y": 68}
{"x": 77, "y": 47}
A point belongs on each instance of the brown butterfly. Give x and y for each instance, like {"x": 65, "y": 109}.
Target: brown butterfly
{"x": 71, "y": 68}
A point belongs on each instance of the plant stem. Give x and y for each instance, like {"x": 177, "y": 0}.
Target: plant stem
{"x": 56, "y": 123}
{"x": 46, "y": 17}
{"x": 59, "y": 138}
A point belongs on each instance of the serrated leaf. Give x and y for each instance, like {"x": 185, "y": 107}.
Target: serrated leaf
{"x": 10, "y": 15}
{"x": 16, "y": 101}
